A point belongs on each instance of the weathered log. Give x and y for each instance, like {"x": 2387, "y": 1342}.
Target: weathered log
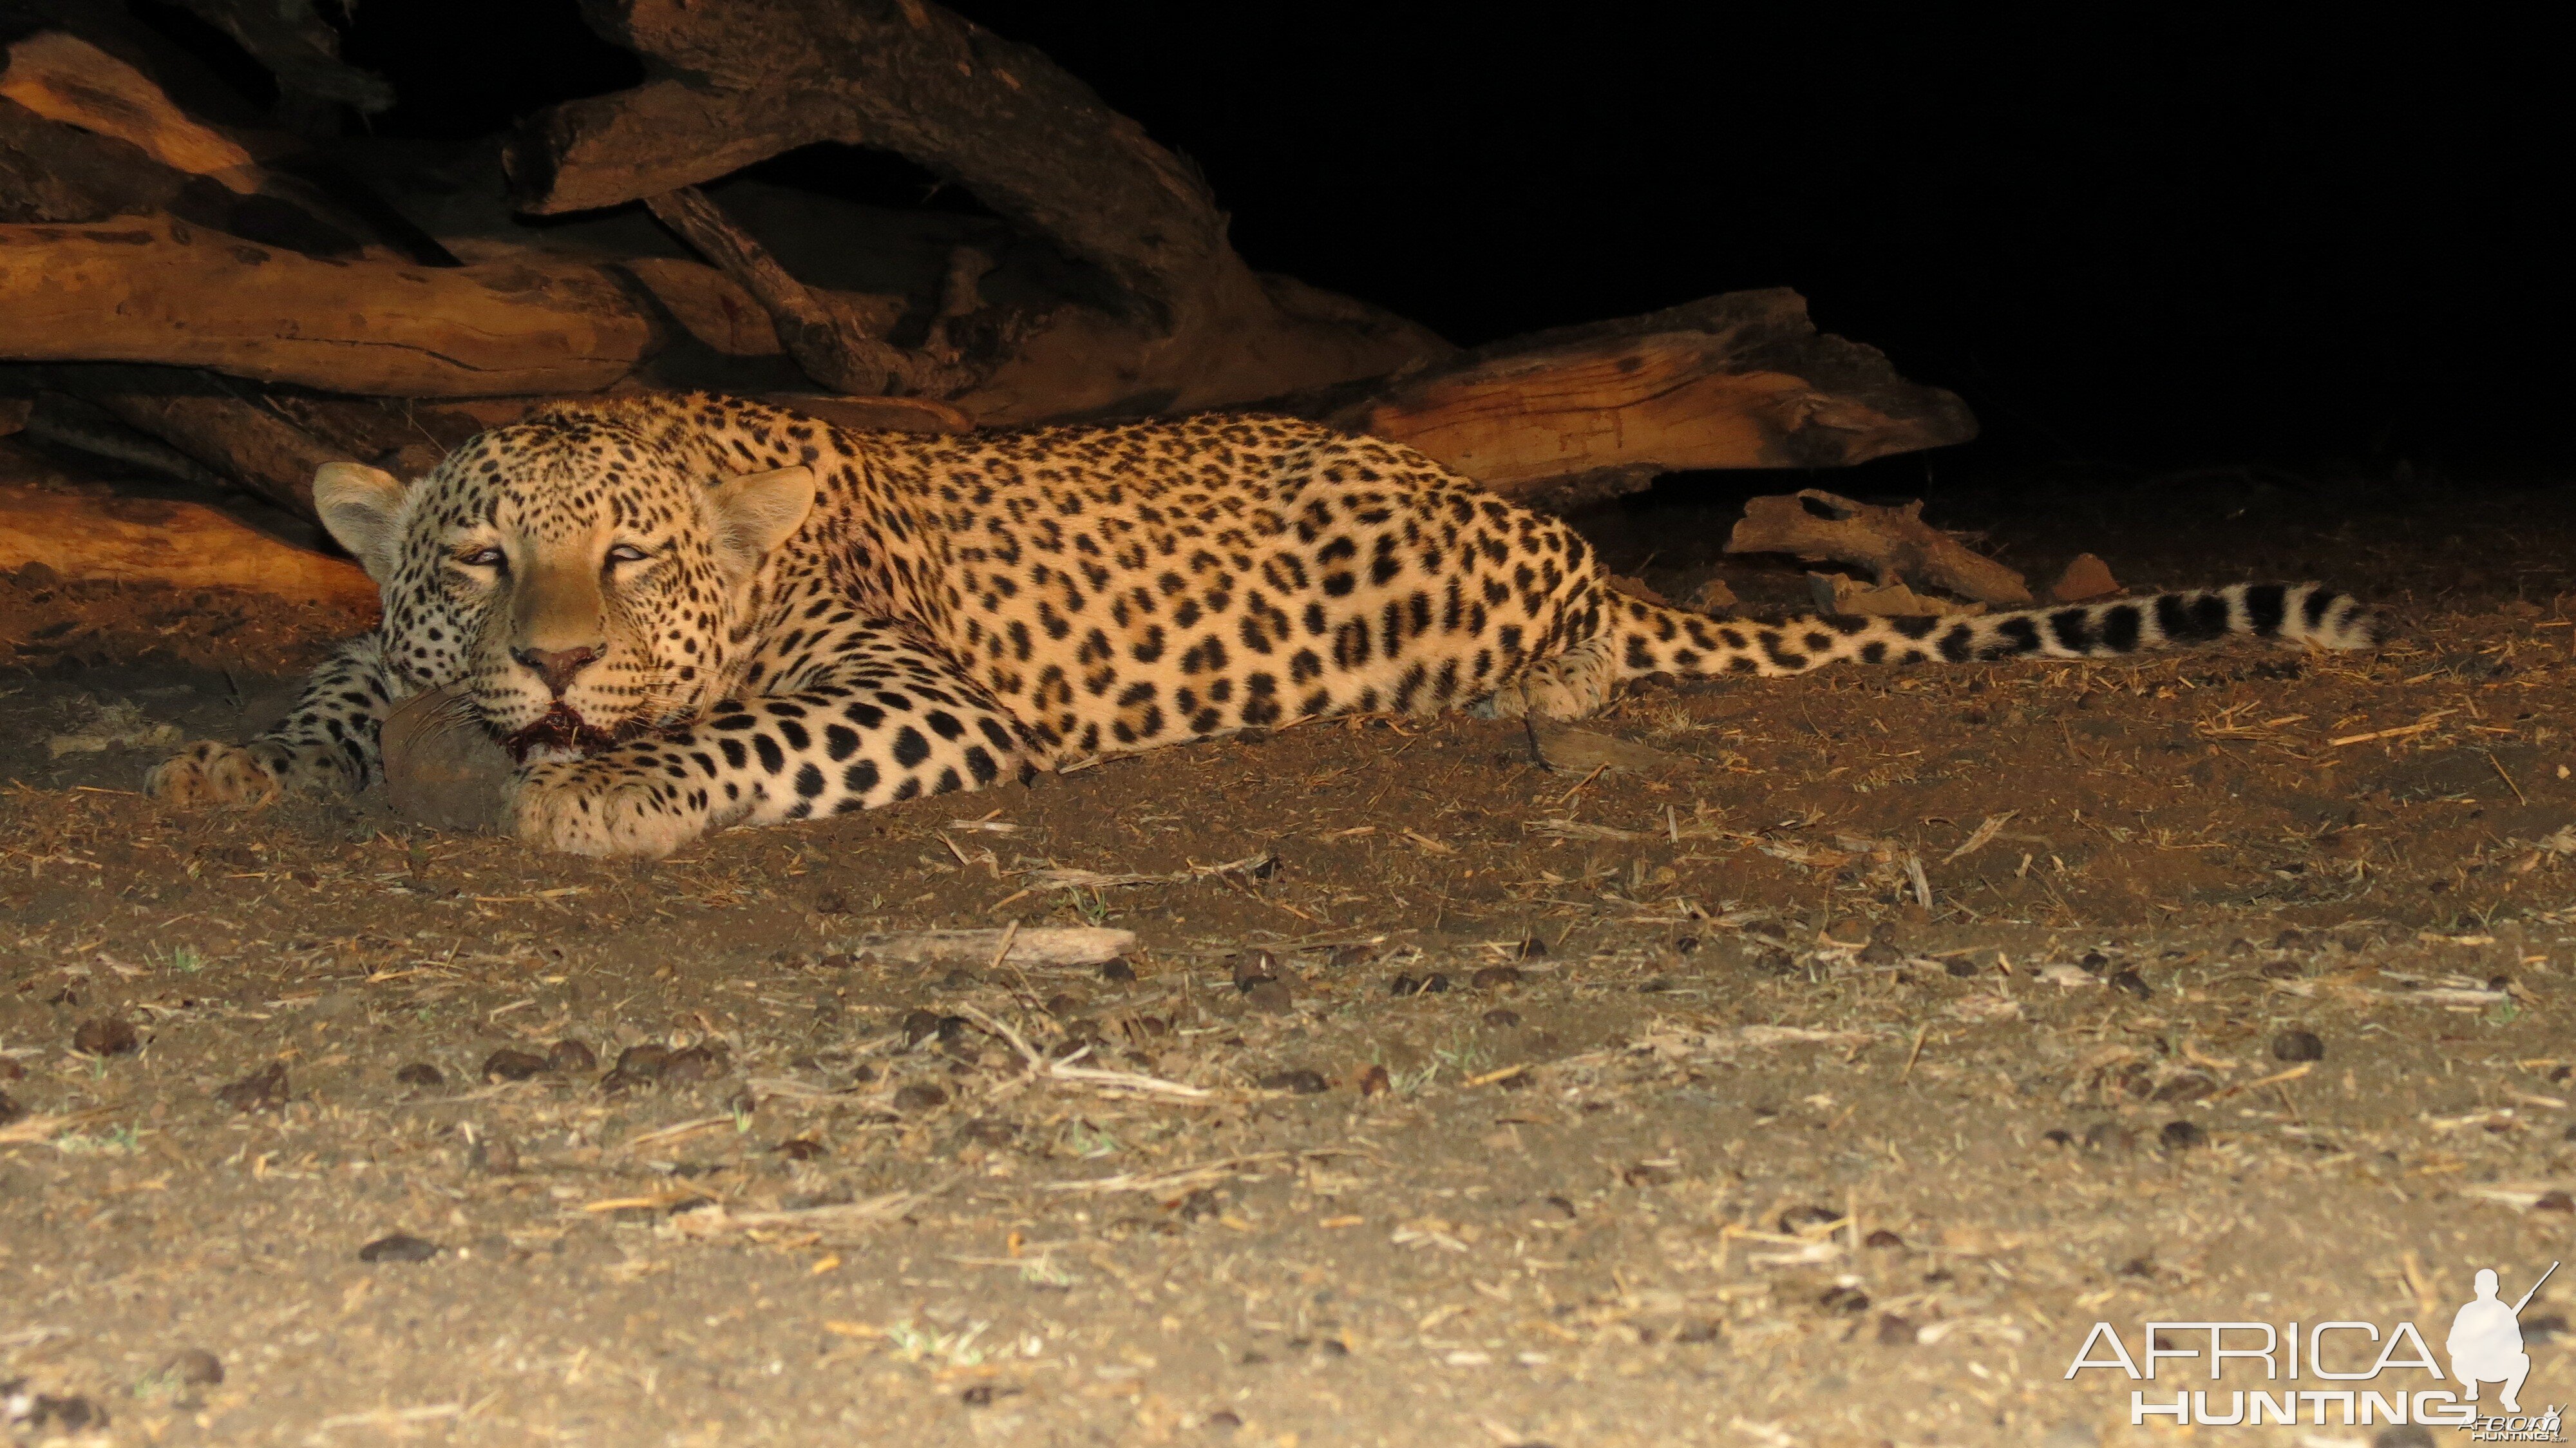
{"x": 299, "y": 48}
{"x": 729, "y": 85}
{"x": 68, "y": 423}
{"x": 1742, "y": 380}
{"x": 64, "y": 78}
{"x": 85, "y": 534}
{"x": 147, "y": 289}
{"x": 831, "y": 348}
{"x": 208, "y": 419}
{"x": 1893, "y": 543}
{"x": 53, "y": 172}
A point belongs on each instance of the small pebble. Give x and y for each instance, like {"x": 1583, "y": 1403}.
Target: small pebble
{"x": 1496, "y": 977}
{"x": 919, "y": 1096}
{"x": 400, "y": 1247}
{"x": 10, "y": 1070}
{"x": 2188, "y": 1086}
{"x": 72, "y": 1414}
{"x": 2058, "y": 1136}
{"x": 1844, "y": 1299}
{"x": 1894, "y": 1331}
{"x": 195, "y": 1367}
{"x": 2298, "y": 1045}
{"x": 1343, "y": 957}
{"x": 978, "y": 1396}
{"x": 960, "y": 978}
{"x": 799, "y": 1148}
{"x": 261, "y": 1090}
{"x": 1065, "y": 1003}
{"x": 1434, "y": 983}
{"x": 1374, "y": 1081}
{"x": 1533, "y": 949}
{"x": 1883, "y": 1238}
{"x": 1561, "y": 1206}
{"x": 1960, "y": 968}
{"x": 1501, "y": 1019}
{"x": 493, "y": 1156}
{"x": 1403, "y": 985}
{"x": 511, "y": 1064}
{"x": 2182, "y": 1136}
{"x": 1118, "y": 971}
{"x": 1254, "y": 967}
{"x": 1649, "y": 1174}
{"x": 1224, "y": 1420}
{"x": 1799, "y": 1219}
{"x": 919, "y": 1026}
{"x": 1879, "y": 952}
{"x": 1270, "y": 996}
{"x": 2134, "y": 983}
{"x": 696, "y": 1063}
{"x": 2554, "y": 1202}
{"x": 1303, "y": 1081}
{"x": 420, "y": 1073}
{"x": 106, "y": 1036}
{"x": 571, "y": 1057}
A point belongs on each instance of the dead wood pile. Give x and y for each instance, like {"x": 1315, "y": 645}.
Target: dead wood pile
{"x": 231, "y": 304}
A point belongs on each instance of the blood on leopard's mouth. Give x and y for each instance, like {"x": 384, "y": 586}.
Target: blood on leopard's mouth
{"x": 563, "y": 728}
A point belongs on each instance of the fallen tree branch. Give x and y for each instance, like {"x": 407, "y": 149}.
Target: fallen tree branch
{"x": 1742, "y": 380}
{"x": 1894, "y": 543}
{"x": 830, "y": 347}
{"x": 194, "y": 412}
{"x": 148, "y": 289}
{"x": 732, "y": 84}
{"x": 183, "y": 545}
{"x": 1037, "y": 945}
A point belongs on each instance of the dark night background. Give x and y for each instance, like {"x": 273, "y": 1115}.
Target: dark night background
{"x": 2192, "y": 237}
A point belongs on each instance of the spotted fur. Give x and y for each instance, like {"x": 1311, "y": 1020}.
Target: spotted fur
{"x": 691, "y": 612}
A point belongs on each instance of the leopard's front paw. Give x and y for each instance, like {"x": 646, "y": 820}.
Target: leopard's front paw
{"x": 207, "y": 773}
{"x": 584, "y": 807}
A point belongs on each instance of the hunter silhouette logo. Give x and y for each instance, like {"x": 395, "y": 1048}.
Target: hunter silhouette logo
{"x": 2486, "y": 1341}
{"x": 2364, "y": 1373}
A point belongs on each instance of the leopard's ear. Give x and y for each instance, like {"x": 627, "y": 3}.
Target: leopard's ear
{"x": 359, "y": 505}
{"x": 758, "y": 511}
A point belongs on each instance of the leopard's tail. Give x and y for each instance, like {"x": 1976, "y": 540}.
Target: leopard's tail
{"x": 1649, "y": 639}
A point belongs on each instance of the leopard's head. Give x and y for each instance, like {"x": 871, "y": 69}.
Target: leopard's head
{"x": 577, "y": 581}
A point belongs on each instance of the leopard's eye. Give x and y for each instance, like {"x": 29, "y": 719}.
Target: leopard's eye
{"x": 626, "y": 553}
{"x": 487, "y": 556}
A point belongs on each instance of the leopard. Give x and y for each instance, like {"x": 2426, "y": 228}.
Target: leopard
{"x": 687, "y": 612}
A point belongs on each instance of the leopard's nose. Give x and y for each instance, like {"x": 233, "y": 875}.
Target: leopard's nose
{"x": 557, "y": 666}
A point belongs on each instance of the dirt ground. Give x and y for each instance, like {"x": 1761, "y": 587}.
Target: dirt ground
{"x": 1588, "y": 1107}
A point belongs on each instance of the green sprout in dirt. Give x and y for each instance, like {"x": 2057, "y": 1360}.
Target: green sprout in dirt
{"x": 1408, "y": 1083}
{"x": 186, "y": 959}
{"x": 1468, "y": 1059}
{"x": 2503, "y": 1013}
{"x": 1043, "y": 1271}
{"x": 1090, "y": 905}
{"x": 1090, "y": 1142}
{"x": 116, "y": 1141}
{"x": 949, "y": 1349}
